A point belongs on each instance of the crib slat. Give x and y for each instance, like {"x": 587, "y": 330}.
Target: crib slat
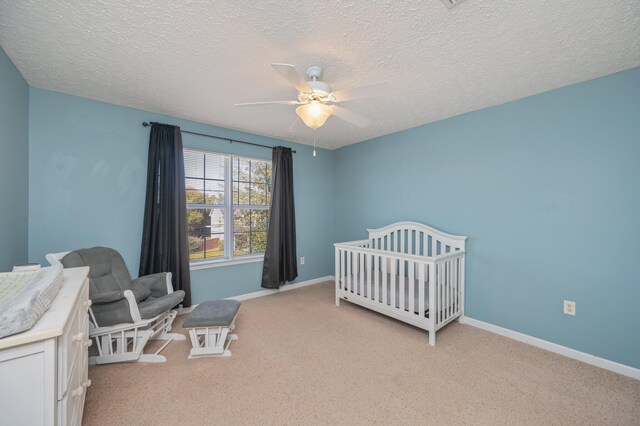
{"x": 385, "y": 279}
{"x": 457, "y": 286}
{"x": 393, "y": 275}
{"x": 441, "y": 290}
{"x": 412, "y": 288}
{"x": 343, "y": 284}
{"x": 345, "y": 274}
{"x": 436, "y": 293}
{"x": 421, "y": 288}
{"x": 439, "y": 297}
{"x": 449, "y": 283}
{"x": 361, "y": 274}
{"x": 369, "y": 281}
{"x": 449, "y": 288}
{"x": 343, "y": 270}
{"x": 401, "y": 247}
{"x": 376, "y": 278}
{"x": 444, "y": 291}
{"x": 349, "y": 272}
{"x": 337, "y": 271}
{"x": 443, "y": 308}
{"x": 432, "y": 295}
{"x": 460, "y": 307}
{"x": 452, "y": 288}
{"x": 401, "y": 284}
{"x": 455, "y": 292}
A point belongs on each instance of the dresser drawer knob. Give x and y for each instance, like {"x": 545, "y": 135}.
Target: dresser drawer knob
{"x": 78, "y": 337}
{"x": 88, "y": 343}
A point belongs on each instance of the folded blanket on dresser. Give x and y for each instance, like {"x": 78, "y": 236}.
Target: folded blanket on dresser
{"x": 26, "y": 296}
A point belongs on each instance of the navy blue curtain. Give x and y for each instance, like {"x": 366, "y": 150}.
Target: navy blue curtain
{"x": 164, "y": 234}
{"x": 280, "y": 258}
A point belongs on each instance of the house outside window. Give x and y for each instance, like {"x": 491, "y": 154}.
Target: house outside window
{"x": 228, "y": 201}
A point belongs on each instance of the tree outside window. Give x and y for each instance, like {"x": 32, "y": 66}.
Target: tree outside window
{"x": 219, "y": 187}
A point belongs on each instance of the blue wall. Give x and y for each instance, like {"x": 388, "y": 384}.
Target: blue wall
{"x": 548, "y": 190}
{"x": 14, "y": 165}
{"x": 545, "y": 187}
{"x": 88, "y": 177}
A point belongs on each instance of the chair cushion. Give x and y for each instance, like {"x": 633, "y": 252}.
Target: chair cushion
{"x": 217, "y": 313}
{"x": 140, "y": 292}
{"x": 107, "y": 272}
{"x": 153, "y": 307}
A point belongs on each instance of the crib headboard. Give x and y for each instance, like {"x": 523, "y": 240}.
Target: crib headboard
{"x": 415, "y": 238}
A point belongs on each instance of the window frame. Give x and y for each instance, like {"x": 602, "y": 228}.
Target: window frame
{"x": 228, "y": 258}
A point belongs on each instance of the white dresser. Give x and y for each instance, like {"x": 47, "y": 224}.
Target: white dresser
{"x": 43, "y": 371}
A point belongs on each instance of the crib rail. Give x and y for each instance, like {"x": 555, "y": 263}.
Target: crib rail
{"x": 448, "y": 287}
{"x": 410, "y": 286}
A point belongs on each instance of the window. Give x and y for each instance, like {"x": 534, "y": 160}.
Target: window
{"x": 228, "y": 201}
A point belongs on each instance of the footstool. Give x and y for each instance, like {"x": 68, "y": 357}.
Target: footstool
{"x": 209, "y": 326}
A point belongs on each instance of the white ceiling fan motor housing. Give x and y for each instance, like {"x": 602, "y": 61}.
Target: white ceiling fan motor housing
{"x": 314, "y": 73}
{"x": 320, "y": 88}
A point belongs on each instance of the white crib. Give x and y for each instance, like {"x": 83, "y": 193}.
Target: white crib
{"x": 407, "y": 271}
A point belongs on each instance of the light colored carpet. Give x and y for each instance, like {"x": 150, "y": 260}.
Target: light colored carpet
{"x": 302, "y": 360}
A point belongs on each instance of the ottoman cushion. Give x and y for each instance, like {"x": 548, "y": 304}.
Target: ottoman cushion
{"x": 217, "y": 313}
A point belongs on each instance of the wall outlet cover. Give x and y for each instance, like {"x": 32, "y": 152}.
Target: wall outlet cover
{"x": 569, "y": 307}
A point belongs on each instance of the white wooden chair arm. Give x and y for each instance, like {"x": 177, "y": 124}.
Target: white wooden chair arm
{"x": 133, "y": 306}
{"x": 98, "y": 331}
{"x": 55, "y": 258}
{"x": 169, "y": 285}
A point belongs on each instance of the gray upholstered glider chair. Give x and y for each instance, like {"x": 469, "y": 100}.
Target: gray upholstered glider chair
{"x": 124, "y": 314}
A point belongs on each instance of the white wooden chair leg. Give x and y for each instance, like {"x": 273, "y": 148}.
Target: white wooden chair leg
{"x": 171, "y": 336}
{"x": 211, "y": 341}
{"x": 126, "y": 343}
{"x": 211, "y": 336}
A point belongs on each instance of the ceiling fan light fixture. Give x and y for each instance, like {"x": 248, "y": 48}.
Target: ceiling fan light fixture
{"x": 314, "y": 114}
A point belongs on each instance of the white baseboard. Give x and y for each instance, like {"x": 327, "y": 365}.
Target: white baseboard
{"x": 625, "y": 370}
{"x": 260, "y": 293}
{"x": 285, "y": 287}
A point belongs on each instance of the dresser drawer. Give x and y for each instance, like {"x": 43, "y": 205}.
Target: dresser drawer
{"x": 73, "y": 344}
{"x": 71, "y": 405}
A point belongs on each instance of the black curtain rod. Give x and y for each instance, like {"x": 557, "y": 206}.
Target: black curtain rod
{"x": 145, "y": 124}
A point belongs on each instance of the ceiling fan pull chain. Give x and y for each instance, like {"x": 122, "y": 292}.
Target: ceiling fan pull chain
{"x": 314, "y": 142}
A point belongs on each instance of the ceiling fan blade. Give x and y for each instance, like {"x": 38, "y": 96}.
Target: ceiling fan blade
{"x": 350, "y": 117}
{"x": 369, "y": 91}
{"x": 270, "y": 103}
{"x": 293, "y": 76}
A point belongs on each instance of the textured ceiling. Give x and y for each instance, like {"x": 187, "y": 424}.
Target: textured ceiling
{"x": 195, "y": 59}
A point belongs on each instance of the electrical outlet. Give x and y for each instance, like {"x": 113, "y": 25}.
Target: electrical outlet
{"x": 302, "y": 260}
{"x": 569, "y": 307}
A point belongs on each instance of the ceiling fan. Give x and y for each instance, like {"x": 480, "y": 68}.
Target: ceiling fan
{"x": 316, "y": 100}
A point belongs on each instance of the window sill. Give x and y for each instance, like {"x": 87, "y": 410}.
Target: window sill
{"x": 225, "y": 262}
